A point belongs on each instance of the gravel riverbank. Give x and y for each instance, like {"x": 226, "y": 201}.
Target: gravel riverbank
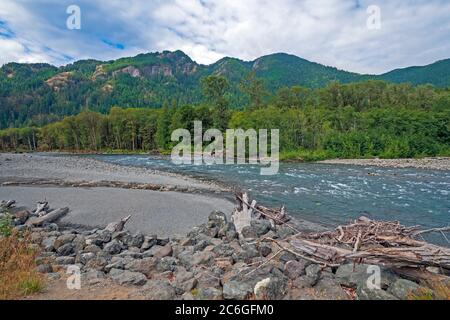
{"x": 165, "y": 213}
{"x": 425, "y": 163}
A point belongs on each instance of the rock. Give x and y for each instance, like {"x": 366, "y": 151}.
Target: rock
{"x": 162, "y": 242}
{"x": 164, "y": 252}
{"x": 403, "y": 289}
{"x": 22, "y": 216}
{"x": 84, "y": 258}
{"x": 364, "y": 293}
{"x": 151, "y": 252}
{"x": 287, "y": 256}
{"x": 131, "y": 254}
{"x": 98, "y": 263}
{"x": 92, "y": 277}
{"x": 249, "y": 232}
{"x": 63, "y": 239}
{"x": 284, "y": 231}
{"x": 351, "y": 275}
{"x": 66, "y": 249}
{"x": 261, "y": 226}
{"x": 217, "y": 219}
{"x": 208, "y": 277}
{"x": 148, "y": 242}
{"x": 187, "y": 296}
{"x": 44, "y": 268}
{"x": 92, "y": 248}
{"x": 53, "y": 276}
{"x": 125, "y": 277}
{"x": 113, "y": 247}
{"x": 48, "y": 244}
{"x": 235, "y": 290}
{"x": 294, "y": 269}
{"x": 79, "y": 242}
{"x": 145, "y": 266}
{"x": 99, "y": 238}
{"x": 201, "y": 245}
{"x": 224, "y": 263}
{"x": 313, "y": 271}
{"x": 208, "y": 293}
{"x": 269, "y": 289}
{"x": 51, "y": 227}
{"x": 265, "y": 249}
{"x": 166, "y": 264}
{"x": 158, "y": 290}
{"x": 202, "y": 258}
{"x": 303, "y": 282}
{"x": 330, "y": 289}
{"x": 65, "y": 260}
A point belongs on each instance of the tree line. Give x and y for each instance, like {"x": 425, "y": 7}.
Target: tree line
{"x": 366, "y": 119}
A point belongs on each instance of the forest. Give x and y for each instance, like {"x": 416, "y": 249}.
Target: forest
{"x": 355, "y": 120}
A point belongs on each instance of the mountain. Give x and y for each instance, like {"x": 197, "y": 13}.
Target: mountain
{"x": 437, "y": 74}
{"x": 38, "y": 93}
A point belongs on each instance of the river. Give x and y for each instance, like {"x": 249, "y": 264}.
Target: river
{"x": 328, "y": 194}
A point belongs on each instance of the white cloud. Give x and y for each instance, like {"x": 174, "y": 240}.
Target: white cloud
{"x": 332, "y": 32}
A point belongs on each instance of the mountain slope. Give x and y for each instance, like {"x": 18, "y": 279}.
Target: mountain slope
{"x": 38, "y": 93}
{"x": 437, "y": 74}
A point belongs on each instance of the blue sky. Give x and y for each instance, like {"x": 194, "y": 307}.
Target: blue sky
{"x": 331, "y": 32}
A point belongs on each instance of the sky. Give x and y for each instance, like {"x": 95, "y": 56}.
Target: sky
{"x": 373, "y": 36}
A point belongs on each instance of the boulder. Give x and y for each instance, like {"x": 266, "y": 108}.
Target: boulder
{"x": 217, "y": 219}
{"x": 44, "y": 268}
{"x": 364, "y": 293}
{"x": 66, "y": 249}
{"x": 330, "y": 289}
{"x": 148, "y": 242}
{"x": 63, "y": 239}
{"x": 145, "y": 266}
{"x": 236, "y": 290}
{"x": 166, "y": 264}
{"x": 164, "y": 251}
{"x": 351, "y": 275}
{"x": 294, "y": 269}
{"x": 208, "y": 293}
{"x": 158, "y": 290}
{"x": 65, "y": 260}
{"x": 271, "y": 288}
{"x": 48, "y": 243}
{"x": 261, "y": 226}
{"x": 404, "y": 289}
{"x": 113, "y": 247}
{"x": 125, "y": 277}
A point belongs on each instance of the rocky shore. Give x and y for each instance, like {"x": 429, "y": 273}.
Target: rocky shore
{"x": 440, "y": 163}
{"x": 212, "y": 261}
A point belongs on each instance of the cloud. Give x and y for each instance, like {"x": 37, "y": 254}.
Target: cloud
{"x": 332, "y": 32}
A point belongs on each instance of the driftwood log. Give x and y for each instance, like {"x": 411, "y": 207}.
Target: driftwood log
{"x": 247, "y": 210}
{"x": 47, "y": 218}
{"x": 364, "y": 240}
{"x": 379, "y": 242}
{"x": 117, "y": 226}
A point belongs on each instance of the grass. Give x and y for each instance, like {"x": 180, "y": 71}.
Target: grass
{"x": 18, "y": 276}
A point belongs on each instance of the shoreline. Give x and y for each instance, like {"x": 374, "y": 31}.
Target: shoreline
{"x": 426, "y": 163}
{"x": 430, "y": 163}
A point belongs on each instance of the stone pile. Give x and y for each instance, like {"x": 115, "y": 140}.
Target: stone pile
{"x": 213, "y": 261}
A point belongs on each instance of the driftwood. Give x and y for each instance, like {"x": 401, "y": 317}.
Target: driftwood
{"x": 379, "y": 242}
{"x": 8, "y": 203}
{"x": 247, "y": 210}
{"x": 41, "y": 208}
{"x": 117, "y": 226}
{"x": 49, "y": 217}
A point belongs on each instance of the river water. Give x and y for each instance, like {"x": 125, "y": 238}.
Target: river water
{"x": 328, "y": 194}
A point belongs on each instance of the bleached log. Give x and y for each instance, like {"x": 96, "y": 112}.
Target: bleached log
{"x": 49, "y": 217}
{"x": 117, "y": 226}
{"x": 7, "y": 203}
{"x": 41, "y": 208}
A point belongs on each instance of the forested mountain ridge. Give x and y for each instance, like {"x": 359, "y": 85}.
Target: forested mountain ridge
{"x": 36, "y": 94}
